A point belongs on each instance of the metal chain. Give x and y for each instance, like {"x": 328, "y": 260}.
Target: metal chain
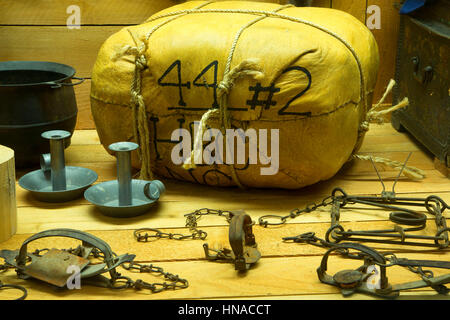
{"x": 436, "y": 206}
{"x": 6, "y": 267}
{"x": 146, "y": 234}
{"x": 336, "y": 233}
{"x": 294, "y": 213}
{"x": 311, "y": 239}
{"x": 95, "y": 252}
{"x": 174, "y": 281}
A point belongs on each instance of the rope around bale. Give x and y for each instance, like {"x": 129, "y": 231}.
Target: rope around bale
{"x": 411, "y": 172}
{"x": 230, "y": 75}
{"x": 247, "y": 68}
{"x": 140, "y": 121}
{"x": 376, "y": 116}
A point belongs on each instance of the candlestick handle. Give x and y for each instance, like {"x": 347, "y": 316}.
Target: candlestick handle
{"x": 123, "y": 154}
{"x": 57, "y": 160}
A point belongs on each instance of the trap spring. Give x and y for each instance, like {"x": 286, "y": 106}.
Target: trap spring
{"x": 352, "y": 281}
{"x": 243, "y": 251}
{"x": 51, "y": 265}
{"x": 400, "y": 214}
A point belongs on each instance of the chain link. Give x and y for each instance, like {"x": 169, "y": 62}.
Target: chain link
{"x": 436, "y": 206}
{"x": 174, "y": 281}
{"x": 4, "y": 267}
{"x": 263, "y": 221}
{"x": 147, "y": 234}
{"x": 95, "y": 252}
{"x": 336, "y": 233}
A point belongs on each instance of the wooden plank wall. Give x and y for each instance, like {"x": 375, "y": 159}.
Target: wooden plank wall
{"x": 386, "y": 35}
{"x": 36, "y": 30}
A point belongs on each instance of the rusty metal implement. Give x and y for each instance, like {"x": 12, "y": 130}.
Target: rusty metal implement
{"x": 400, "y": 214}
{"x": 244, "y": 251}
{"x": 356, "y": 281}
{"x": 52, "y": 266}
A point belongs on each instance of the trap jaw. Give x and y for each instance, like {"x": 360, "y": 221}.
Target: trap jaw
{"x": 53, "y": 267}
{"x": 356, "y": 281}
{"x": 244, "y": 252}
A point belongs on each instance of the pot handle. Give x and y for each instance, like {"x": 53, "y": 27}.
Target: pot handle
{"x": 56, "y": 85}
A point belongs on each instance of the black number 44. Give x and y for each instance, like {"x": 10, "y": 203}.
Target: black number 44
{"x": 199, "y": 81}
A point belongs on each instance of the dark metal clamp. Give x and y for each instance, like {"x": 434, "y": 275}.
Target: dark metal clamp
{"x": 58, "y": 266}
{"x": 244, "y": 252}
{"x": 352, "y": 281}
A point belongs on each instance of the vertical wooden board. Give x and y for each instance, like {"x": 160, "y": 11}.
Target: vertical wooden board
{"x": 8, "y": 211}
{"x": 355, "y": 8}
{"x": 387, "y": 37}
{"x": 84, "y": 118}
{"x": 322, "y": 3}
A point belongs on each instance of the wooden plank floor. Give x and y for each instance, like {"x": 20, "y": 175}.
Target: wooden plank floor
{"x": 286, "y": 270}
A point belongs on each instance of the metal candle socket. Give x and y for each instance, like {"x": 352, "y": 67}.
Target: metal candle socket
{"x": 124, "y": 197}
{"x": 55, "y": 182}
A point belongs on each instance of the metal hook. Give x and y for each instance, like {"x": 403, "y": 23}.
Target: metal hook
{"x": 392, "y": 193}
{"x": 378, "y": 174}
{"x": 401, "y": 171}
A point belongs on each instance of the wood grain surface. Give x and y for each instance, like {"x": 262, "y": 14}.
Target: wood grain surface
{"x": 8, "y": 211}
{"x": 286, "y": 271}
{"x": 33, "y": 30}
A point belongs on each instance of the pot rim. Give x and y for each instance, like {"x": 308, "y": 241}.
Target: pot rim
{"x": 48, "y": 66}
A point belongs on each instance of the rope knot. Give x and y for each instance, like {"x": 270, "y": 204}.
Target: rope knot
{"x": 224, "y": 87}
{"x": 141, "y": 62}
{"x": 137, "y": 52}
{"x": 138, "y": 99}
{"x": 247, "y": 68}
{"x": 364, "y": 126}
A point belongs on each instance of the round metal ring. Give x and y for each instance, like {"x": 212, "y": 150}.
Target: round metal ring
{"x": 408, "y": 218}
{"x": 126, "y": 285}
{"x": 17, "y": 287}
{"x": 447, "y": 241}
{"x": 331, "y": 230}
{"x": 266, "y": 223}
{"x": 436, "y": 200}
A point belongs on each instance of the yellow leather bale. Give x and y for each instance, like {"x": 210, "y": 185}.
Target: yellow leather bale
{"x": 318, "y": 130}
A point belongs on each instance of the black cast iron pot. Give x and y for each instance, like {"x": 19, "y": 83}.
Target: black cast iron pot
{"x": 35, "y": 96}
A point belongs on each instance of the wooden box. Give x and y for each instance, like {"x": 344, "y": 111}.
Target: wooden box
{"x": 423, "y": 75}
